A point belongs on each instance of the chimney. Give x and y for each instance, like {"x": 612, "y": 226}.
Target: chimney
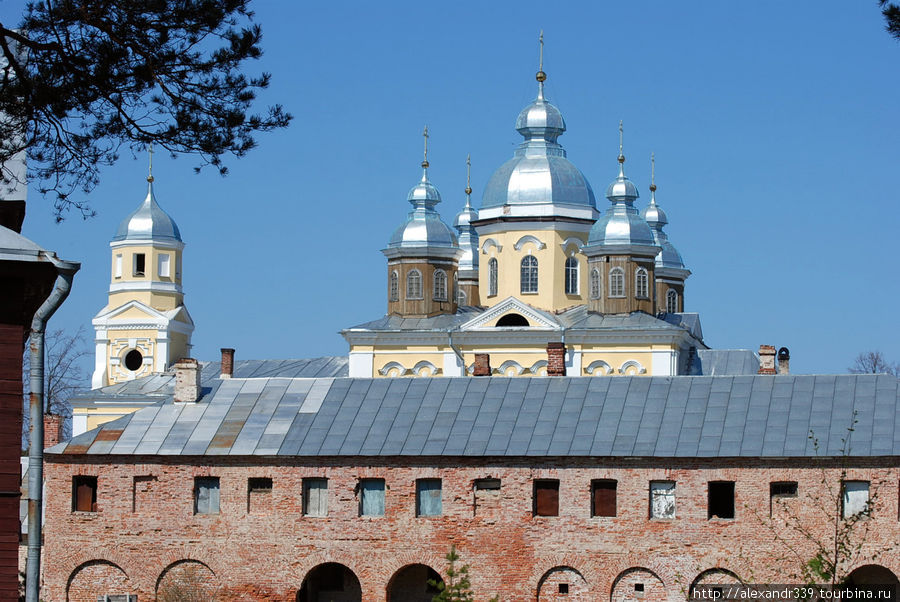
{"x": 784, "y": 361}
{"x": 227, "y": 363}
{"x": 556, "y": 359}
{"x": 53, "y": 424}
{"x": 482, "y": 364}
{"x": 766, "y": 359}
{"x": 187, "y": 380}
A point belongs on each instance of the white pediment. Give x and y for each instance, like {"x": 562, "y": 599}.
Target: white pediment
{"x": 133, "y": 310}
{"x": 511, "y": 305}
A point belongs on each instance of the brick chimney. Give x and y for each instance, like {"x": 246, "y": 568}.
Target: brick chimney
{"x": 53, "y": 424}
{"x": 187, "y": 380}
{"x": 766, "y": 359}
{"x": 556, "y": 359}
{"x": 784, "y": 361}
{"x": 482, "y": 364}
{"x": 227, "y": 363}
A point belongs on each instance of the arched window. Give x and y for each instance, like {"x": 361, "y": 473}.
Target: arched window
{"x": 595, "y": 283}
{"x": 440, "y": 285}
{"x": 571, "y": 276}
{"x": 456, "y": 287}
{"x": 641, "y": 284}
{"x": 529, "y": 282}
{"x": 461, "y": 298}
{"x": 414, "y": 284}
{"x": 492, "y": 277}
{"x": 671, "y": 301}
{"x": 395, "y": 286}
{"x": 617, "y": 282}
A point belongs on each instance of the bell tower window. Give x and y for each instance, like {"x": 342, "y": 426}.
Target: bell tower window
{"x": 414, "y": 284}
{"x": 440, "y": 285}
{"x": 641, "y": 284}
{"x": 571, "y": 276}
{"x": 671, "y": 301}
{"x": 140, "y": 263}
{"x": 395, "y": 286}
{"x": 118, "y": 269}
{"x": 134, "y": 360}
{"x": 492, "y": 277}
{"x": 529, "y": 276}
{"x": 617, "y": 282}
{"x": 165, "y": 269}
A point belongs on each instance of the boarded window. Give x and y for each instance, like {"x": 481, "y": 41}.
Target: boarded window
{"x": 259, "y": 494}
{"x": 371, "y": 497}
{"x": 546, "y": 498}
{"x": 206, "y": 495}
{"x": 118, "y": 268}
{"x": 84, "y": 494}
{"x": 721, "y": 499}
{"x": 428, "y": 497}
{"x": 662, "y": 499}
{"x": 780, "y": 491}
{"x": 315, "y": 497}
{"x": 855, "y": 497}
{"x": 142, "y": 493}
{"x": 165, "y": 269}
{"x": 487, "y": 495}
{"x": 603, "y": 497}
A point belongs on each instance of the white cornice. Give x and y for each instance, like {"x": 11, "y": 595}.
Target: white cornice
{"x": 161, "y": 244}
{"x": 145, "y": 285}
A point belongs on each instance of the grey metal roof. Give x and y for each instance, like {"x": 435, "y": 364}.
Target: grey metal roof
{"x": 684, "y": 417}
{"x": 149, "y": 388}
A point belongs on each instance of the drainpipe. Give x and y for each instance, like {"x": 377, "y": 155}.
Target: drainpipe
{"x": 66, "y": 271}
{"x": 458, "y": 353}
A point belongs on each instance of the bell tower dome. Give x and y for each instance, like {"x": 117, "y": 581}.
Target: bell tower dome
{"x": 145, "y": 326}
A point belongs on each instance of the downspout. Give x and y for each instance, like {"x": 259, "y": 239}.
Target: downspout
{"x": 458, "y": 353}
{"x": 65, "y": 272}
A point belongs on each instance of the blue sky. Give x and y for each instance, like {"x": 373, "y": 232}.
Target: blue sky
{"x": 774, "y": 126}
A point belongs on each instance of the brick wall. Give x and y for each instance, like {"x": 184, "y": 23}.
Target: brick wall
{"x": 267, "y": 555}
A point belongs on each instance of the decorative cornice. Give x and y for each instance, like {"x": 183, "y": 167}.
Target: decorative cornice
{"x": 145, "y": 285}
{"x": 528, "y": 238}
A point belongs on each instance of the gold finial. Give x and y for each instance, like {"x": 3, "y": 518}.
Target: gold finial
{"x": 425, "y": 160}
{"x": 652, "y": 172}
{"x": 150, "y": 152}
{"x": 541, "y": 76}
{"x": 621, "y": 136}
{"x": 468, "y": 177}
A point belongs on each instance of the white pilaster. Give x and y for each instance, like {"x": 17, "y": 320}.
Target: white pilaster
{"x": 361, "y": 364}
{"x": 663, "y": 363}
{"x": 453, "y": 366}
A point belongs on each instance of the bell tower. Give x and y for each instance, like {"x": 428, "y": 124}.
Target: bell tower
{"x": 145, "y": 326}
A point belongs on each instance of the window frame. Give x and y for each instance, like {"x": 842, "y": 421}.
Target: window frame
{"x": 867, "y": 505}
{"x": 716, "y": 489}
{"x": 362, "y": 496}
{"x": 308, "y": 483}
{"x": 439, "y": 291}
{"x": 595, "y": 283}
{"x": 544, "y": 485}
{"x": 412, "y": 293}
{"x": 211, "y": 484}
{"x": 603, "y": 485}
{"x": 778, "y": 495}
{"x": 426, "y": 487}
{"x": 658, "y": 484}
{"x": 117, "y": 267}
{"x": 164, "y": 265}
{"x": 394, "y": 286}
{"x": 571, "y": 276}
{"x": 616, "y": 289}
{"x": 528, "y": 275}
{"x": 493, "y": 273}
{"x": 641, "y": 283}
{"x": 672, "y": 301}
{"x": 78, "y": 483}
{"x": 139, "y": 258}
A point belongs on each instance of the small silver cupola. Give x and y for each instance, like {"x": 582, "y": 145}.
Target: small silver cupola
{"x": 539, "y": 173}
{"x": 148, "y": 221}
{"x": 656, "y": 218}
{"x": 423, "y": 226}
{"x": 622, "y": 224}
{"x": 468, "y": 238}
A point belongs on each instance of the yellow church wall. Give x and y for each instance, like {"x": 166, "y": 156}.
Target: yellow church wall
{"x": 383, "y": 362}
{"x": 98, "y": 416}
{"x": 162, "y": 301}
{"x": 151, "y": 264}
{"x": 178, "y": 347}
{"x": 551, "y": 259}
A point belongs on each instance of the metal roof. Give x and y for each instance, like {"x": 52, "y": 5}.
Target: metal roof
{"x": 668, "y": 417}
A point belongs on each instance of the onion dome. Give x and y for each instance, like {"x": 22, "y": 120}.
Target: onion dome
{"x": 668, "y": 256}
{"x": 148, "y": 221}
{"x": 539, "y": 172}
{"x": 622, "y": 224}
{"x": 468, "y": 237}
{"x": 423, "y": 226}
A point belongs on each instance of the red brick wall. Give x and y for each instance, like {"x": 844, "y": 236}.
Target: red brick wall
{"x": 266, "y": 556}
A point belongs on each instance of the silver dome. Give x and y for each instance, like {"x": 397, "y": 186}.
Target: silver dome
{"x": 423, "y": 226}
{"x": 656, "y": 218}
{"x": 622, "y": 224}
{"x": 468, "y": 237}
{"x": 539, "y": 173}
{"x": 148, "y": 222}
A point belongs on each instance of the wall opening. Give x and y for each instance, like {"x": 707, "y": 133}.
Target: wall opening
{"x": 513, "y": 320}
{"x": 328, "y": 582}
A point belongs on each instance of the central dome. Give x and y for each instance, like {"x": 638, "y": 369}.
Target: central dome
{"x": 539, "y": 173}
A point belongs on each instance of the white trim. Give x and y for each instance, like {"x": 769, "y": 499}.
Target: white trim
{"x": 386, "y": 369}
{"x": 452, "y": 365}
{"x": 424, "y": 365}
{"x": 663, "y": 363}
{"x": 510, "y": 304}
{"x": 539, "y": 210}
{"x": 572, "y": 240}
{"x": 148, "y": 242}
{"x": 537, "y": 366}
{"x": 573, "y": 362}
{"x": 598, "y": 365}
{"x": 632, "y": 364}
{"x": 145, "y": 285}
{"x": 361, "y": 364}
{"x": 529, "y": 238}
{"x": 502, "y": 368}
{"x": 490, "y": 242}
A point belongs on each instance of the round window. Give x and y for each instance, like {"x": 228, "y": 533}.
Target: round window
{"x": 134, "y": 360}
